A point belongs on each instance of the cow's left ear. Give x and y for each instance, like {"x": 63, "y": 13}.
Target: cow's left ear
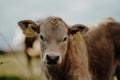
{"x": 78, "y": 28}
{"x": 29, "y": 27}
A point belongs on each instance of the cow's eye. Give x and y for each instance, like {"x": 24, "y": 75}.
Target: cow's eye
{"x": 65, "y": 38}
{"x": 41, "y": 37}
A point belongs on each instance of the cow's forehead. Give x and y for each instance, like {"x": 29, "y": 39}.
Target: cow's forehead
{"x": 54, "y": 27}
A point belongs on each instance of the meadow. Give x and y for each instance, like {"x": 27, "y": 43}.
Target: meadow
{"x": 14, "y": 67}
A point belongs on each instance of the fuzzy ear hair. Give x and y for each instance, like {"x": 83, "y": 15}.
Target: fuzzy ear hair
{"x": 29, "y": 27}
{"x": 78, "y": 28}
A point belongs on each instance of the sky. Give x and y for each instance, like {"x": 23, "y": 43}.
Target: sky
{"x": 71, "y": 11}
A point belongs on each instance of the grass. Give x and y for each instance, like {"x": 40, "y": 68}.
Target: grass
{"x": 14, "y": 67}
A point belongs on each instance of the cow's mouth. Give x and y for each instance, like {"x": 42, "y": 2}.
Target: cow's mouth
{"x": 52, "y": 62}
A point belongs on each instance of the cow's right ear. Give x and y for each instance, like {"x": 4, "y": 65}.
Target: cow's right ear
{"x": 29, "y": 28}
{"x": 78, "y": 28}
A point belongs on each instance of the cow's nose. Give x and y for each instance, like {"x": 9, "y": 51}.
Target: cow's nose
{"x": 52, "y": 59}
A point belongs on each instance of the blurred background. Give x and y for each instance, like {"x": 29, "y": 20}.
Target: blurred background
{"x": 71, "y": 11}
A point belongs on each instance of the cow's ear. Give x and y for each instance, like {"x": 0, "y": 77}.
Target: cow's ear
{"x": 78, "y": 28}
{"x": 29, "y": 27}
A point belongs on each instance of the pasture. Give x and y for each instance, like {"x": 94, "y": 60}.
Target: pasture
{"x": 14, "y": 67}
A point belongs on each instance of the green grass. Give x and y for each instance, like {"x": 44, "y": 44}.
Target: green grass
{"x": 14, "y": 67}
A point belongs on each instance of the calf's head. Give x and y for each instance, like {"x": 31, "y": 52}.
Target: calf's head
{"x": 54, "y": 34}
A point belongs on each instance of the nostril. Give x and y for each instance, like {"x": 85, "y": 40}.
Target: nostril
{"x": 52, "y": 58}
{"x": 57, "y": 57}
{"x": 48, "y": 57}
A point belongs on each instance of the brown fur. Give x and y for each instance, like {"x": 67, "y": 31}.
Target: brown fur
{"x": 103, "y": 49}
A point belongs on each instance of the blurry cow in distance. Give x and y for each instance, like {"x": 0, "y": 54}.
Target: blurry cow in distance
{"x": 30, "y": 45}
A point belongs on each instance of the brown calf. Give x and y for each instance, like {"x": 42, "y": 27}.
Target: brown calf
{"x": 66, "y": 55}
{"x": 32, "y": 48}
